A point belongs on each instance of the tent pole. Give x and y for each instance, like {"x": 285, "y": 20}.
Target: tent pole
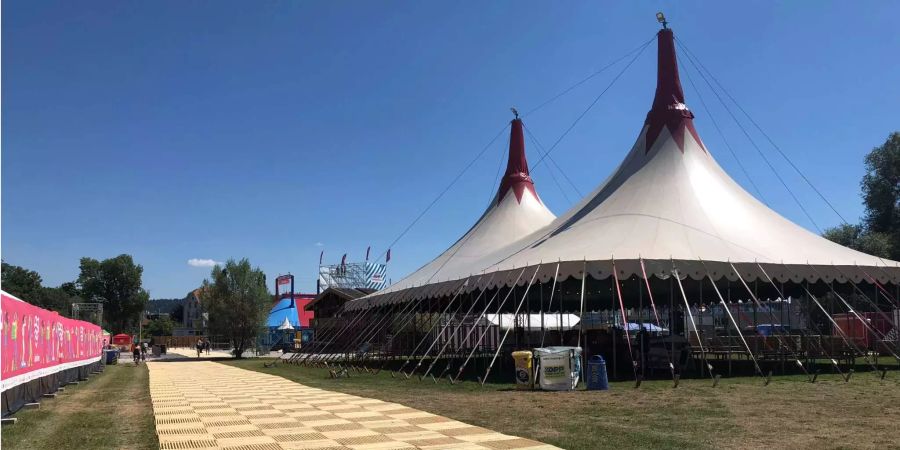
{"x": 332, "y": 336}
{"x": 434, "y": 341}
{"x": 333, "y": 331}
{"x": 880, "y": 312}
{"x": 550, "y": 304}
{"x": 658, "y": 323}
{"x": 581, "y": 328}
{"x": 465, "y": 340}
{"x": 428, "y": 333}
{"x": 694, "y": 326}
{"x": 486, "y": 330}
{"x": 612, "y": 327}
{"x": 618, "y": 293}
{"x": 542, "y": 313}
{"x": 864, "y": 323}
{"x": 781, "y": 319}
{"x": 404, "y": 324}
{"x": 460, "y": 324}
{"x": 672, "y": 319}
{"x": 561, "y": 298}
{"x": 740, "y": 334}
{"x": 500, "y": 344}
{"x": 326, "y": 358}
{"x": 641, "y": 329}
{"x": 360, "y": 332}
{"x": 837, "y": 328}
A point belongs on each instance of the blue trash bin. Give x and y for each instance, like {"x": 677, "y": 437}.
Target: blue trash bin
{"x": 112, "y": 356}
{"x": 596, "y": 374}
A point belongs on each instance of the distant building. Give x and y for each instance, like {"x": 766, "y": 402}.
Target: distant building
{"x": 194, "y": 319}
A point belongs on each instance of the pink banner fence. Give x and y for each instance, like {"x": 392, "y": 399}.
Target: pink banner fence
{"x": 37, "y": 342}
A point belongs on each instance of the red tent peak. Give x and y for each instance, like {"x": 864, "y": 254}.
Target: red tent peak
{"x": 669, "y": 109}
{"x": 516, "y": 177}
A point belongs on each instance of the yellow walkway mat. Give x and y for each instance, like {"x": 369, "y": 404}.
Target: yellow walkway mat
{"x": 206, "y": 405}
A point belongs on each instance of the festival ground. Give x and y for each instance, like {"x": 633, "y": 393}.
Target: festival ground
{"x": 202, "y": 404}
{"x": 739, "y": 413}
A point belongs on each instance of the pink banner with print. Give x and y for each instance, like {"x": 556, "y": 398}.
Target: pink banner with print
{"x": 37, "y": 342}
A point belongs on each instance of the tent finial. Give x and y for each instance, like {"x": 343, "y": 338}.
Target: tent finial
{"x": 661, "y": 18}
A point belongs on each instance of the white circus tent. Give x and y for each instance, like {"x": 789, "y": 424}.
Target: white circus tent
{"x": 514, "y": 212}
{"x": 668, "y": 204}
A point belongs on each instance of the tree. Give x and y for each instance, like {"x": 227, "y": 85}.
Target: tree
{"x": 115, "y": 282}
{"x": 56, "y": 299}
{"x": 881, "y": 191}
{"x": 857, "y": 238}
{"x": 21, "y": 282}
{"x": 879, "y": 233}
{"x": 237, "y": 300}
{"x": 162, "y": 326}
{"x": 26, "y": 285}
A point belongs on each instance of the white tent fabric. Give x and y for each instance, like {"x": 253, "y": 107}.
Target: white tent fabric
{"x": 669, "y": 204}
{"x": 286, "y": 325}
{"x": 515, "y": 211}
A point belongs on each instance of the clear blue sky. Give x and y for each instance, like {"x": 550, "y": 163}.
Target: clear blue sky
{"x": 271, "y": 130}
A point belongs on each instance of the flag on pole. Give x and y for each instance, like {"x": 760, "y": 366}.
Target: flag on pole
{"x": 344, "y": 263}
{"x": 387, "y": 259}
{"x": 368, "y": 249}
{"x": 321, "y": 255}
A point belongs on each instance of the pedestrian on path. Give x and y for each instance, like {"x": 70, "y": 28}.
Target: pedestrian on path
{"x": 207, "y": 344}
{"x": 199, "y": 347}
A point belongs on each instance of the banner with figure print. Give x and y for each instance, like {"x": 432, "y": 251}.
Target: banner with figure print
{"x": 37, "y": 342}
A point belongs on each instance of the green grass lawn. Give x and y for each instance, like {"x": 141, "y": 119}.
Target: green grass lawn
{"x": 111, "y": 410}
{"x": 739, "y": 413}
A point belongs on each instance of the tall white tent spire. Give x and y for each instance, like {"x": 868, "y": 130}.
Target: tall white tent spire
{"x": 515, "y": 211}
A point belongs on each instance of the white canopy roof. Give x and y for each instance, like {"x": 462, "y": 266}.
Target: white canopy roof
{"x": 671, "y": 205}
{"x": 515, "y": 212}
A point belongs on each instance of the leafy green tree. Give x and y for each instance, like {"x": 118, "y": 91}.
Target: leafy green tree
{"x": 56, "y": 299}
{"x": 879, "y": 233}
{"x": 857, "y": 238}
{"x": 237, "y": 301}
{"x": 162, "y": 326}
{"x": 881, "y": 191}
{"x": 21, "y": 282}
{"x": 115, "y": 282}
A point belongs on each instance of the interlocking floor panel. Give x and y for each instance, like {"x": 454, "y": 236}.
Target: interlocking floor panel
{"x": 206, "y": 405}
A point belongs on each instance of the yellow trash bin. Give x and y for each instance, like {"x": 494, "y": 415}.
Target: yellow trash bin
{"x": 524, "y": 370}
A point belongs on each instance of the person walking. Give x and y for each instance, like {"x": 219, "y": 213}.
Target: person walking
{"x": 199, "y": 347}
{"x": 208, "y": 345}
{"x": 136, "y": 353}
{"x": 143, "y": 351}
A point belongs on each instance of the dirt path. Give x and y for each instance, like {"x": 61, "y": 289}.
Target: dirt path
{"x": 201, "y": 405}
